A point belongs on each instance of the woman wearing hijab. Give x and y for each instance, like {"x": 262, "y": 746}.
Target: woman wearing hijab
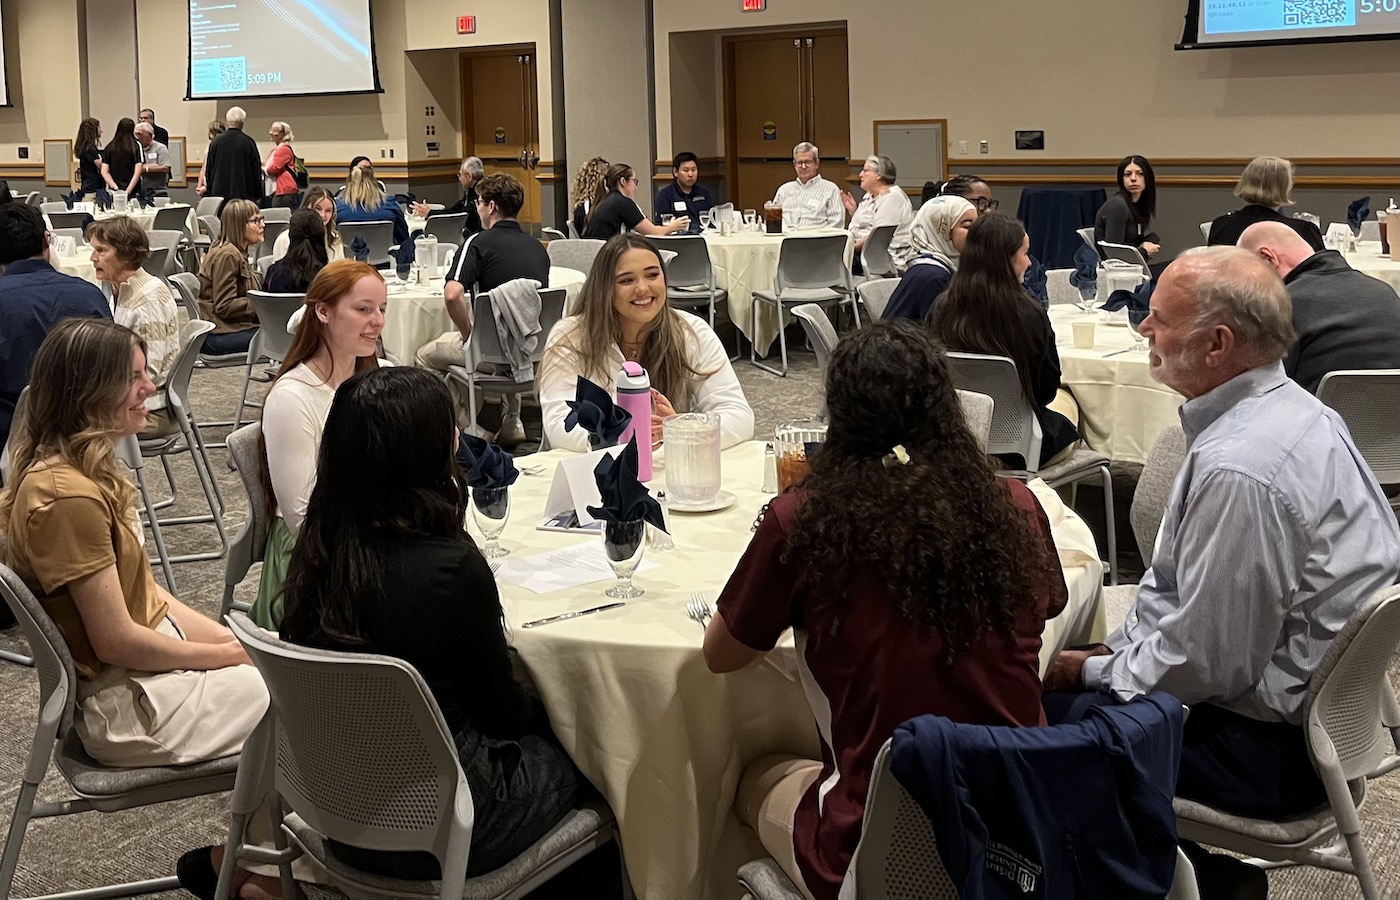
{"x": 936, "y": 236}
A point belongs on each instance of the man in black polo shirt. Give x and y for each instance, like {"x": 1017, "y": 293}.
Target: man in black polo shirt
{"x": 685, "y": 196}
{"x": 501, "y": 252}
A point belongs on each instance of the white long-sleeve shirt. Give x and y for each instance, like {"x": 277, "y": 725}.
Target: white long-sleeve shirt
{"x": 816, "y": 204}
{"x": 719, "y": 393}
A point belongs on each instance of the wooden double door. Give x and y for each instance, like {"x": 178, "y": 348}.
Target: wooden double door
{"x": 782, "y": 89}
{"x": 500, "y": 117}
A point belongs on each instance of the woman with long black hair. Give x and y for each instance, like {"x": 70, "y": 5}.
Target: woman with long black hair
{"x": 122, "y": 160}
{"x": 1127, "y": 215}
{"x": 916, "y": 582}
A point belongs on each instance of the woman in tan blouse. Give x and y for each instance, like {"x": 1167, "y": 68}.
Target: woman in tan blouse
{"x": 226, "y": 277}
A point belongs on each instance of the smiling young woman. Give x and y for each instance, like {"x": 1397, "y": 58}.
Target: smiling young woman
{"x": 624, "y": 315}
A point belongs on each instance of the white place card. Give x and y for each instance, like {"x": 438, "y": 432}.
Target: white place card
{"x": 574, "y": 487}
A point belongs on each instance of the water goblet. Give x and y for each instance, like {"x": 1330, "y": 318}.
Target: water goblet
{"x": 490, "y": 509}
{"x": 403, "y": 270}
{"x": 705, "y": 218}
{"x": 1135, "y": 318}
{"x": 623, "y": 544}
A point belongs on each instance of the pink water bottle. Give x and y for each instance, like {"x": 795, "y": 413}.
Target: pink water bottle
{"x": 634, "y": 395}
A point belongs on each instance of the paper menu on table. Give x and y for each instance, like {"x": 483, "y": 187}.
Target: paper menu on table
{"x": 558, "y": 570}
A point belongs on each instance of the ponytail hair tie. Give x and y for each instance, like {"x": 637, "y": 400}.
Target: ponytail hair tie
{"x": 898, "y": 455}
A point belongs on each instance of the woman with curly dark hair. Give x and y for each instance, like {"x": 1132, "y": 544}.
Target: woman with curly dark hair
{"x": 916, "y": 582}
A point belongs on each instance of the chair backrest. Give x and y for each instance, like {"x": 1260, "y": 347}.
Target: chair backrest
{"x": 898, "y": 852}
{"x": 164, "y": 237}
{"x": 68, "y": 219}
{"x": 75, "y": 233}
{"x": 1369, "y": 402}
{"x": 485, "y": 346}
{"x": 34, "y": 198}
{"x": 177, "y": 383}
{"x": 155, "y": 262}
{"x": 1370, "y": 230}
{"x": 690, "y": 267}
{"x": 249, "y": 545}
{"x": 271, "y": 231}
{"x": 574, "y": 253}
{"x": 263, "y": 264}
{"x": 277, "y": 214}
{"x": 1309, "y": 217}
{"x": 1014, "y": 426}
{"x": 53, "y": 206}
{"x": 1347, "y": 692}
{"x": 875, "y": 255}
{"x": 446, "y": 228}
{"x": 573, "y": 231}
{"x": 815, "y": 262}
{"x": 378, "y": 235}
{"x": 875, "y": 294}
{"x": 211, "y": 224}
{"x": 553, "y": 234}
{"x": 361, "y": 751}
{"x": 186, "y": 285}
{"x": 1087, "y": 236}
{"x": 1127, "y": 254}
{"x": 1154, "y": 486}
{"x": 208, "y": 206}
{"x": 977, "y": 410}
{"x": 58, "y": 679}
{"x": 1205, "y": 230}
{"x": 173, "y": 218}
{"x": 819, "y": 331}
{"x": 273, "y": 312}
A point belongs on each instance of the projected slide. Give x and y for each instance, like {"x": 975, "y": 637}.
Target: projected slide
{"x": 254, "y": 48}
{"x": 1289, "y": 20}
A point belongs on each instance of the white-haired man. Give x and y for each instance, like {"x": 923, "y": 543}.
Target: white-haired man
{"x": 233, "y": 168}
{"x": 471, "y": 171}
{"x": 155, "y": 160}
{"x": 809, "y": 200}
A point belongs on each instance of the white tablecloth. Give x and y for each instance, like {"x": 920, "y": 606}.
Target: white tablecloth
{"x": 78, "y": 265}
{"x": 632, "y": 702}
{"x": 416, "y": 314}
{"x": 1121, "y": 408}
{"x": 146, "y": 216}
{"x": 745, "y": 263}
{"x": 1368, "y": 259}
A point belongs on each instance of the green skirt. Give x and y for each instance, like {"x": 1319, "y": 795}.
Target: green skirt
{"x": 267, "y": 609}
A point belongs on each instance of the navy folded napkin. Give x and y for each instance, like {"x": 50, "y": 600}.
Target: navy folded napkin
{"x": 359, "y": 249}
{"x": 1037, "y": 283}
{"x": 593, "y": 410}
{"x": 486, "y": 465}
{"x": 1086, "y": 272}
{"x": 1133, "y": 301}
{"x": 623, "y": 496}
{"x": 1358, "y": 212}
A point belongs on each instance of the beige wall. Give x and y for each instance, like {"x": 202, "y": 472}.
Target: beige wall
{"x": 997, "y": 65}
{"x": 696, "y": 92}
{"x": 41, "y": 53}
{"x": 110, "y": 65}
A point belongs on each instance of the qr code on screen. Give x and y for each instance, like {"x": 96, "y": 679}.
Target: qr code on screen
{"x": 1314, "y": 12}
{"x": 233, "y": 75}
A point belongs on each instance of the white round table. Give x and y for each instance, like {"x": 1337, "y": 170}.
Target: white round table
{"x": 1121, "y": 408}
{"x": 416, "y": 314}
{"x": 631, "y": 700}
{"x": 78, "y": 265}
{"x": 1368, "y": 259}
{"x": 146, "y": 216}
{"x": 746, "y": 262}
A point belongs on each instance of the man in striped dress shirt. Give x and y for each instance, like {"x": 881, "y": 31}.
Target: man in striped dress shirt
{"x": 1274, "y": 534}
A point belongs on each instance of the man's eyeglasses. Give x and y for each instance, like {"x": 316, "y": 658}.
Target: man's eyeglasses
{"x": 804, "y": 163}
{"x": 985, "y": 205}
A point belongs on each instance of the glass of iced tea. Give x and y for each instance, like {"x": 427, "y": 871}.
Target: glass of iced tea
{"x": 793, "y": 442}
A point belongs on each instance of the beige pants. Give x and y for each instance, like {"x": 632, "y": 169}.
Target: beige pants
{"x": 1065, "y": 404}
{"x": 769, "y": 791}
{"x": 449, "y": 350}
{"x": 170, "y": 718}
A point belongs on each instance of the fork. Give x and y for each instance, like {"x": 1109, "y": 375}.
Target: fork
{"x": 698, "y": 608}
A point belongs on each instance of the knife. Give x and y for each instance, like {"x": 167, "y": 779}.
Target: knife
{"x": 572, "y": 615}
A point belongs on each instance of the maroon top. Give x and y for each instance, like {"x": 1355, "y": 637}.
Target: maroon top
{"x": 871, "y": 669}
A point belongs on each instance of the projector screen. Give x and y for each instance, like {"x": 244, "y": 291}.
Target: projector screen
{"x": 278, "y": 48}
{"x": 1238, "y": 23}
{"x": 4, "y": 73}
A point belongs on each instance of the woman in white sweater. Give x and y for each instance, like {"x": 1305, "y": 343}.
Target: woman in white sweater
{"x": 338, "y": 336}
{"x": 624, "y": 315}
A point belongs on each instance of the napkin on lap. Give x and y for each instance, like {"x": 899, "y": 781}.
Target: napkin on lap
{"x": 1358, "y": 212}
{"x": 624, "y": 497}
{"x": 593, "y": 410}
{"x": 486, "y": 465}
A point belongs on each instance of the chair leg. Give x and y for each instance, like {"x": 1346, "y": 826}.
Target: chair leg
{"x": 1361, "y": 866}
{"x": 243, "y": 399}
{"x": 782, "y": 342}
{"x": 204, "y": 453}
{"x": 18, "y": 660}
{"x": 153, "y": 523}
{"x": 1110, "y": 526}
{"x": 14, "y": 840}
{"x": 237, "y": 826}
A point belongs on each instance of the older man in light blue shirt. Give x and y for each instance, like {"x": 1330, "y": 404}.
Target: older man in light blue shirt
{"x": 1274, "y": 534}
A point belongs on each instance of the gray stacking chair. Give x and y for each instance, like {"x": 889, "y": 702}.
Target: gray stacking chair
{"x": 271, "y": 231}
{"x": 978, "y": 410}
{"x": 819, "y": 331}
{"x": 58, "y": 206}
{"x": 810, "y": 270}
{"x": 1016, "y": 431}
{"x": 875, "y": 294}
{"x": 447, "y": 228}
{"x": 128, "y": 451}
{"x": 875, "y": 255}
{"x": 173, "y": 242}
{"x": 1352, "y": 728}
{"x": 67, "y": 219}
{"x": 155, "y": 261}
{"x": 577, "y": 253}
{"x": 277, "y": 214}
{"x": 94, "y": 787}
{"x": 378, "y": 235}
{"x": 690, "y": 276}
{"x": 272, "y": 340}
{"x": 1369, "y": 402}
{"x": 1205, "y": 230}
{"x": 355, "y": 748}
{"x": 250, "y": 543}
{"x": 553, "y": 234}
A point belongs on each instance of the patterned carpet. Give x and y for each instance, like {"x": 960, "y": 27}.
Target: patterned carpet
{"x": 92, "y": 849}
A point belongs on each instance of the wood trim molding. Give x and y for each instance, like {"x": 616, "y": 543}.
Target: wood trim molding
{"x": 1365, "y": 182}
{"x": 974, "y": 163}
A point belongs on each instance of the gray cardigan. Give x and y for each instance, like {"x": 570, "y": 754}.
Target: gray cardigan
{"x": 1344, "y": 319}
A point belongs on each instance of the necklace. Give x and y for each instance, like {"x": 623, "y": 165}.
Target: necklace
{"x": 633, "y": 350}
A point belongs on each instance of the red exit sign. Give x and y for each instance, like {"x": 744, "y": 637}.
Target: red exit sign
{"x": 467, "y": 24}
{"x": 754, "y": 5}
